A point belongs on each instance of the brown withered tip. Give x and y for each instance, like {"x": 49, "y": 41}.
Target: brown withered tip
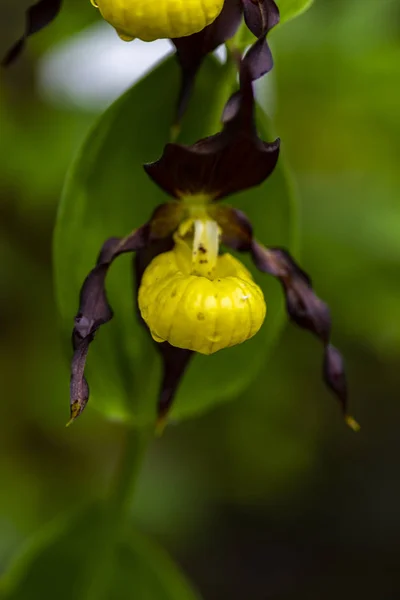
{"x": 352, "y": 423}
{"x": 75, "y": 410}
{"x": 161, "y": 424}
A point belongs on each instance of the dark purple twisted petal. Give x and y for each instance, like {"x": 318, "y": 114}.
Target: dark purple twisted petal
{"x": 260, "y": 17}
{"x": 307, "y": 311}
{"x": 303, "y": 305}
{"x": 37, "y": 17}
{"x": 192, "y": 50}
{"x": 94, "y": 311}
{"x": 259, "y": 59}
{"x": 223, "y": 164}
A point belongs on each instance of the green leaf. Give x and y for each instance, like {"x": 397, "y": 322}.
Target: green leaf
{"x": 78, "y": 558}
{"x": 108, "y": 194}
{"x": 289, "y": 9}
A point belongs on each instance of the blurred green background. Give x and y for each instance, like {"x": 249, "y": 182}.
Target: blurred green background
{"x": 269, "y": 496}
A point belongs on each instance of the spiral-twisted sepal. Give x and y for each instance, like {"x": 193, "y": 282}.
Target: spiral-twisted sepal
{"x": 260, "y": 16}
{"x": 37, "y": 16}
{"x": 95, "y": 310}
{"x": 309, "y": 312}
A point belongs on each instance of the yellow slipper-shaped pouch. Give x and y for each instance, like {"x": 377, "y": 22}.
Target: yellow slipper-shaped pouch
{"x": 150, "y": 20}
{"x": 197, "y": 312}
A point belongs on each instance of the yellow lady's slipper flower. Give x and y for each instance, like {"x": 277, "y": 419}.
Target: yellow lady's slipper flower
{"x": 150, "y": 20}
{"x": 197, "y": 300}
{"x": 192, "y": 298}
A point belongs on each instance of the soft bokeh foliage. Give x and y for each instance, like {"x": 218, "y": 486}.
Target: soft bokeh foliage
{"x": 269, "y": 496}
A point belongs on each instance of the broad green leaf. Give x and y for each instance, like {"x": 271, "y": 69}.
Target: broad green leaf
{"x": 108, "y": 194}
{"x": 289, "y": 9}
{"x": 78, "y": 558}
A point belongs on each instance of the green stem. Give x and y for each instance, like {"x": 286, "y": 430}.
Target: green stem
{"x": 240, "y": 38}
{"x": 116, "y": 516}
{"x": 227, "y": 83}
{"x": 134, "y": 450}
{"x": 229, "y": 73}
{"x": 228, "y": 77}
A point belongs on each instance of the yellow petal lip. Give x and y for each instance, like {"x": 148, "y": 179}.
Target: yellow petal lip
{"x": 150, "y": 20}
{"x": 197, "y": 313}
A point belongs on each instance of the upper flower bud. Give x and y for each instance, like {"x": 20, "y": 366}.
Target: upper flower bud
{"x": 197, "y": 300}
{"x": 150, "y": 20}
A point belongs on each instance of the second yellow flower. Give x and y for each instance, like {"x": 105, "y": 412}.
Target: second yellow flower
{"x": 150, "y": 20}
